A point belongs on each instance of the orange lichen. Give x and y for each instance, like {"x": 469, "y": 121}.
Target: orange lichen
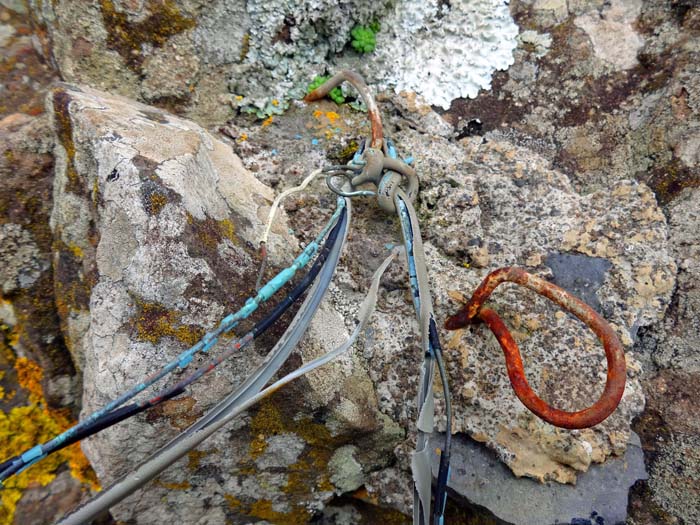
{"x": 332, "y": 116}
{"x": 29, "y": 376}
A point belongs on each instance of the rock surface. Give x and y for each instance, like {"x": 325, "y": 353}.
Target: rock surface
{"x": 514, "y": 210}
{"x": 154, "y": 219}
{"x": 599, "y": 496}
{"x": 598, "y": 109}
{"x": 259, "y": 55}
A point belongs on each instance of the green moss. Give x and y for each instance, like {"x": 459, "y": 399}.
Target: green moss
{"x": 364, "y": 37}
{"x": 336, "y": 94}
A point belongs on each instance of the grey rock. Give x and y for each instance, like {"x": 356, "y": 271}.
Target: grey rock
{"x": 675, "y": 477}
{"x": 6, "y": 34}
{"x": 599, "y": 496}
{"x": 154, "y": 221}
{"x": 282, "y": 451}
{"x": 17, "y": 6}
{"x": 209, "y": 58}
{"x": 514, "y": 208}
{"x": 674, "y": 342}
{"x": 346, "y": 471}
{"x": 486, "y": 204}
{"x": 580, "y": 274}
{"x": 21, "y": 262}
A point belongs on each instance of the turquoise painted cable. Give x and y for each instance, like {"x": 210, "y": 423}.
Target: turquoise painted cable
{"x": 37, "y": 453}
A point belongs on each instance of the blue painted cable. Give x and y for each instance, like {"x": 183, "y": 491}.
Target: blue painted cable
{"x": 35, "y": 454}
{"x": 122, "y": 413}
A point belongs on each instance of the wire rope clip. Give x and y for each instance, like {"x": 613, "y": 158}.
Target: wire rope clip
{"x": 474, "y": 312}
{"x": 380, "y": 167}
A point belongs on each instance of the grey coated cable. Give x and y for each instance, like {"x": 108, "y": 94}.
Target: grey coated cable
{"x": 289, "y": 339}
{"x": 159, "y": 460}
{"x": 151, "y": 468}
{"x": 421, "y": 461}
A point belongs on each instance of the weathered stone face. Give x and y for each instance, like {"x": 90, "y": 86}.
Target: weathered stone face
{"x": 156, "y": 226}
{"x": 205, "y": 58}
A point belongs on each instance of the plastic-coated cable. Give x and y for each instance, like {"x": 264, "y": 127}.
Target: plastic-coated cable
{"x": 432, "y": 355}
{"x": 271, "y": 217}
{"x": 153, "y": 467}
{"x": 21, "y": 462}
{"x": 122, "y": 413}
{"x": 284, "y": 346}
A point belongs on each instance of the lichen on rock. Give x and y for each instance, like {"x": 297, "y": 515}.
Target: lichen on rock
{"x": 154, "y": 221}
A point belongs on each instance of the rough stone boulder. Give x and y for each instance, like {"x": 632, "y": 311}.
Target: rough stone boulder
{"x": 156, "y": 224}
{"x": 486, "y": 203}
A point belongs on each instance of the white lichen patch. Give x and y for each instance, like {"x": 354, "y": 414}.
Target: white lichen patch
{"x": 441, "y": 52}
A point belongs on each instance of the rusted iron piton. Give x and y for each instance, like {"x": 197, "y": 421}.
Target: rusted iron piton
{"x": 377, "y": 139}
{"x": 474, "y": 312}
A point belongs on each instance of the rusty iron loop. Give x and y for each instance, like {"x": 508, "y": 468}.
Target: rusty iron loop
{"x": 380, "y": 164}
{"x": 474, "y": 312}
{"x": 356, "y": 81}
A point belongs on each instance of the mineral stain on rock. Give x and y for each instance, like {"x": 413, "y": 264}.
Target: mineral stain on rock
{"x": 581, "y": 275}
{"x": 128, "y": 38}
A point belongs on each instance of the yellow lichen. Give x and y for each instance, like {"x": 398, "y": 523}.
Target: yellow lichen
{"x": 309, "y": 473}
{"x": 193, "y": 459}
{"x": 164, "y": 20}
{"x": 25, "y": 426}
{"x": 245, "y": 47}
{"x": 233, "y": 501}
{"x": 154, "y": 322}
{"x": 157, "y": 202}
{"x": 228, "y": 229}
{"x": 183, "y": 485}
{"x": 76, "y": 250}
{"x": 263, "y": 509}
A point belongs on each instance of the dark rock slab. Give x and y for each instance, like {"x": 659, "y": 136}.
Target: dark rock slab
{"x": 599, "y": 497}
{"x": 581, "y": 275}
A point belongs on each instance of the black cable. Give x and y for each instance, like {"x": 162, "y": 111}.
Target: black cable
{"x": 444, "y": 469}
{"x": 15, "y": 464}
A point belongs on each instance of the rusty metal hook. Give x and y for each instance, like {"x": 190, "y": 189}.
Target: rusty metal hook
{"x": 356, "y": 81}
{"x": 474, "y": 312}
